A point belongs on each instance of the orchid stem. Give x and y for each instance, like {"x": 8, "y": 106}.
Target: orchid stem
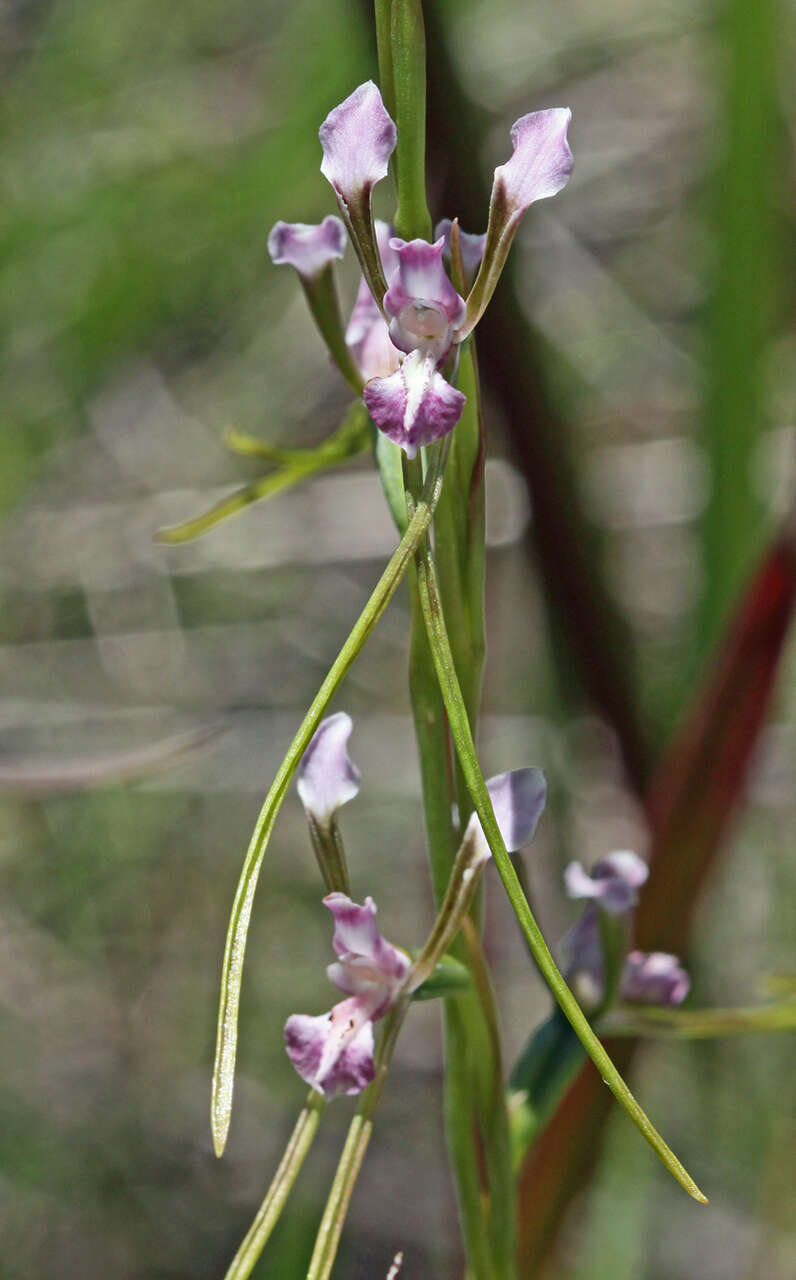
{"x": 268, "y": 1214}
{"x": 465, "y": 747}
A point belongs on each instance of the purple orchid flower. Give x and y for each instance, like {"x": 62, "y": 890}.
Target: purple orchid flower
{"x": 334, "y": 1052}
{"x": 415, "y": 405}
{"x": 327, "y": 778}
{"x": 654, "y": 977}
{"x": 613, "y": 882}
{"x": 406, "y": 393}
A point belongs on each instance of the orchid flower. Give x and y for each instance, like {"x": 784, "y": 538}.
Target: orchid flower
{"x": 408, "y": 319}
{"x": 333, "y": 1052}
{"x": 613, "y": 882}
{"x": 645, "y": 977}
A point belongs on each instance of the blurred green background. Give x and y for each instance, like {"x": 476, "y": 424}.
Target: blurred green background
{"x": 146, "y": 152}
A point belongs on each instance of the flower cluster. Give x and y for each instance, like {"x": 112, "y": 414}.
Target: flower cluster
{"x": 612, "y": 888}
{"x": 408, "y": 318}
{"x": 333, "y": 1051}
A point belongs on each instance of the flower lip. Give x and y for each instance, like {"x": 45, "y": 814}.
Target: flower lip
{"x": 358, "y": 137}
{"x": 333, "y": 1052}
{"x": 415, "y": 405}
{"x": 307, "y": 247}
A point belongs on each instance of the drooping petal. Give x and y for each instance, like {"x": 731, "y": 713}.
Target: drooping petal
{"x": 540, "y": 166}
{"x": 327, "y": 778}
{"x": 518, "y": 799}
{"x": 375, "y": 352}
{"x": 472, "y": 246}
{"x": 541, "y": 162}
{"x": 306, "y": 247}
{"x": 367, "y": 335}
{"x": 333, "y": 1053}
{"x": 359, "y": 945}
{"x": 654, "y": 977}
{"x": 613, "y": 882}
{"x": 415, "y": 405}
{"x": 358, "y": 137}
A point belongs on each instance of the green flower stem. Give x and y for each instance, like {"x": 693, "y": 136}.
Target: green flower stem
{"x": 383, "y": 15}
{"x": 330, "y": 856}
{"x": 356, "y": 1145}
{"x": 459, "y": 544}
{"x": 268, "y": 1214}
{"x": 350, "y": 438}
{"x": 235, "y": 948}
{"x": 465, "y": 747}
{"x": 408, "y": 47}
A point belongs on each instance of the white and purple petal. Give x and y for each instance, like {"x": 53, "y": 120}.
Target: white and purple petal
{"x": 333, "y": 1053}
{"x": 327, "y": 778}
{"x": 358, "y": 137}
{"x": 415, "y": 405}
{"x": 367, "y": 335}
{"x": 358, "y": 944}
{"x": 539, "y": 167}
{"x": 541, "y": 162}
{"x": 309, "y": 248}
{"x": 654, "y": 977}
{"x": 518, "y": 799}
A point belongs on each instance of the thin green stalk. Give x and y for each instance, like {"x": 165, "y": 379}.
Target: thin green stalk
{"x": 465, "y": 747}
{"x": 383, "y": 14}
{"x": 408, "y": 44}
{"x": 268, "y": 1214}
{"x": 235, "y": 948}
